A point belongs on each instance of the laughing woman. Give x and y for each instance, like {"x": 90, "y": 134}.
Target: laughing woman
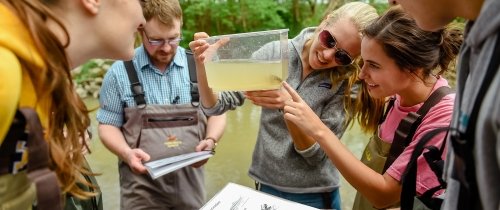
{"x": 399, "y": 62}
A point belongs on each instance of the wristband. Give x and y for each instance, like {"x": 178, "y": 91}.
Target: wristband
{"x": 215, "y": 142}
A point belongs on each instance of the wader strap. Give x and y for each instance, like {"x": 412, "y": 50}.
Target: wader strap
{"x": 407, "y": 127}
{"x": 463, "y": 142}
{"x": 409, "y": 177}
{"x": 45, "y": 180}
{"x": 195, "y": 95}
{"x": 387, "y": 109}
{"x": 191, "y": 66}
{"x": 138, "y": 90}
{"x": 135, "y": 85}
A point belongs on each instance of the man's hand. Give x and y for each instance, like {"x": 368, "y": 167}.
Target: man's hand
{"x": 135, "y": 159}
{"x": 206, "y": 144}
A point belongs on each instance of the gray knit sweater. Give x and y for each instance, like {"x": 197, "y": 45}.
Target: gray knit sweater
{"x": 276, "y": 162}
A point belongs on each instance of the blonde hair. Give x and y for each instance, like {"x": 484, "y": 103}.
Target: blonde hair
{"x": 165, "y": 10}
{"x": 361, "y": 15}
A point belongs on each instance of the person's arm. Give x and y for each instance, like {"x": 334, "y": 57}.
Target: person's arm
{"x": 300, "y": 139}
{"x": 212, "y": 103}
{"x": 110, "y": 118}
{"x": 112, "y": 137}
{"x": 380, "y": 190}
{"x": 199, "y": 47}
{"x": 275, "y": 99}
{"x": 215, "y": 128}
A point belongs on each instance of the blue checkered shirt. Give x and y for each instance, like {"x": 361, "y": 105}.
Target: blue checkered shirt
{"x": 159, "y": 88}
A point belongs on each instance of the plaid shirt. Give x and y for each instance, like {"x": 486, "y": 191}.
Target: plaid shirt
{"x": 169, "y": 87}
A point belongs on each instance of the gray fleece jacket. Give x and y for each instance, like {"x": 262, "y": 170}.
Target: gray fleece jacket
{"x": 276, "y": 162}
{"x": 475, "y": 56}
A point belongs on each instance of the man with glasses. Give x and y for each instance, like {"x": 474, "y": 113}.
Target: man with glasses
{"x": 149, "y": 110}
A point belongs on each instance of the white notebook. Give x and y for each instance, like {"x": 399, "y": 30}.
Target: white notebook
{"x": 237, "y": 197}
{"x": 164, "y": 166}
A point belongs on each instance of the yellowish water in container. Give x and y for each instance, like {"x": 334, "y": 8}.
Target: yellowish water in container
{"x": 244, "y": 75}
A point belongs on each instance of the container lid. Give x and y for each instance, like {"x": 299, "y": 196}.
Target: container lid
{"x": 249, "y": 34}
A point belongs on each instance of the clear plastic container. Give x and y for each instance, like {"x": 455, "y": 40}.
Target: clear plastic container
{"x": 247, "y": 61}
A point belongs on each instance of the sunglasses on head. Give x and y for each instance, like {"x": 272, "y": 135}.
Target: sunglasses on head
{"x": 327, "y": 40}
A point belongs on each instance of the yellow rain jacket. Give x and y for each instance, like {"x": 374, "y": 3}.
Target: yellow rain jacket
{"x": 17, "y": 90}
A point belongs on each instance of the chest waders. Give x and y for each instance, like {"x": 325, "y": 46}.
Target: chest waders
{"x": 163, "y": 131}
{"x": 379, "y": 155}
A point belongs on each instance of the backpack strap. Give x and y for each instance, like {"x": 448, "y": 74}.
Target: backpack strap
{"x": 195, "y": 95}
{"x": 387, "y": 109}
{"x": 409, "y": 177}
{"x": 436, "y": 163}
{"x": 45, "y": 180}
{"x": 135, "y": 85}
{"x": 408, "y": 126}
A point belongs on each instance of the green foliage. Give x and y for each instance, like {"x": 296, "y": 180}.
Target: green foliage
{"x": 88, "y": 77}
{"x": 227, "y": 17}
{"x": 380, "y": 7}
{"x": 84, "y": 72}
{"x": 217, "y": 17}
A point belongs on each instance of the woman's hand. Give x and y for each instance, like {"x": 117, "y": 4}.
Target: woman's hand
{"x": 271, "y": 99}
{"x": 298, "y": 112}
{"x": 202, "y": 49}
{"x": 199, "y": 45}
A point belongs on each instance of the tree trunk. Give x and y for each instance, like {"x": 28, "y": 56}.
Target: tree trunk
{"x": 296, "y": 12}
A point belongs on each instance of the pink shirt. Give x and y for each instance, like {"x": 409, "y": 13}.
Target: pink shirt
{"x": 438, "y": 116}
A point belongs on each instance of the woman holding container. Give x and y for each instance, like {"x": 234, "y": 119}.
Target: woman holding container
{"x": 286, "y": 162}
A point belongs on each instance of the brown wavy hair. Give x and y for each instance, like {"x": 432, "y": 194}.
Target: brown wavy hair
{"x": 68, "y": 118}
{"x": 412, "y": 49}
{"x": 165, "y": 10}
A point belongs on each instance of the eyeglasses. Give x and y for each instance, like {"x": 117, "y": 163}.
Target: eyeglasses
{"x": 327, "y": 40}
{"x": 160, "y": 42}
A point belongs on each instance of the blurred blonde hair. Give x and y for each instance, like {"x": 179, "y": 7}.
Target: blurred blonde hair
{"x": 361, "y": 15}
